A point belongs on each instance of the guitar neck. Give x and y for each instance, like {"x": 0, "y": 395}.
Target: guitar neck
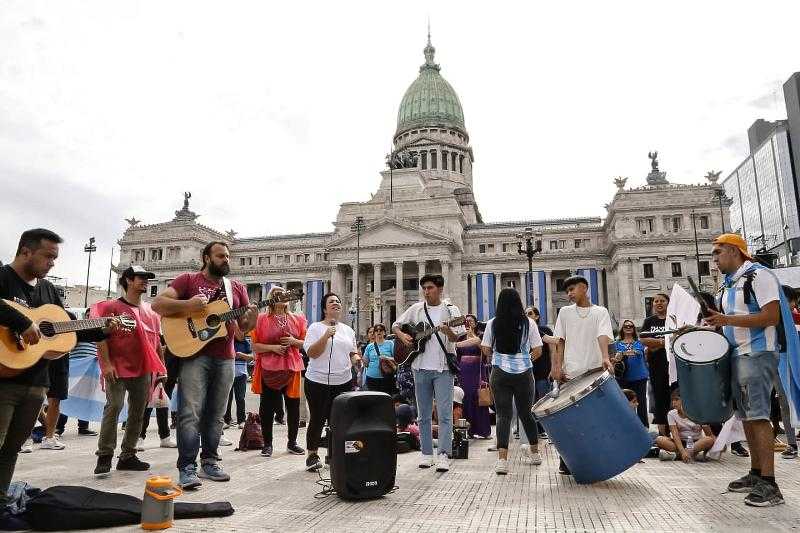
{"x": 449, "y": 323}
{"x": 233, "y": 314}
{"x": 72, "y": 326}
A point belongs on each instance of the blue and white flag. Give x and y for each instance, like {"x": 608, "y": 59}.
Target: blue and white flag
{"x": 591, "y": 276}
{"x": 314, "y": 291}
{"x": 86, "y": 398}
{"x": 536, "y": 293}
{"x": 485, "y": 296}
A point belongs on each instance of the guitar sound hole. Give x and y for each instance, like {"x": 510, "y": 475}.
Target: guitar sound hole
{"x": 47, "y": 329}
{"x": 212, "y": 321}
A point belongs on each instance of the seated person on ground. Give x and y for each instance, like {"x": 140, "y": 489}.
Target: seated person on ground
{"x": 633, "y": 402}
{"x": 458, "y": 410}
{"x": 407, "y": 429}
{"x": 681, "y": 430}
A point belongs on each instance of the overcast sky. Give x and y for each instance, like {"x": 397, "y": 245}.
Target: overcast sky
{"x": 272, "y": 114}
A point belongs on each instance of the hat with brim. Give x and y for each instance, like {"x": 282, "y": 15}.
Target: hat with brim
{"x": 137, "y": 270}
{"x": 735, "y": 240}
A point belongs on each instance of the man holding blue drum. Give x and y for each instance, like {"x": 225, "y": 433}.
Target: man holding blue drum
{"x": 750, "y": 301}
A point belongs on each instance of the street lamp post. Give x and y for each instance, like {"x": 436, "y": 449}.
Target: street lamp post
{"x": 533, "y": 246}
{"x": 357, "y": 226}
{"x": 89, "y": 248}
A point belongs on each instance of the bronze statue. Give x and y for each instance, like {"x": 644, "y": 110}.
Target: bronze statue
{"x": 186, "y": 197}
{"x": 653, "y": 160}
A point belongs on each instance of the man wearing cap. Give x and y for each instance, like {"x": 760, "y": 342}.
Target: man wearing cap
{"x": 750, "y": 301}
{"x": 130, "y": 363}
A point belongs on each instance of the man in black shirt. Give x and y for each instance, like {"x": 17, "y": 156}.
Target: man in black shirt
{"x": 657, "y": 363}
{"x": 541, "y": 365}
{"x": 21, "y": 396}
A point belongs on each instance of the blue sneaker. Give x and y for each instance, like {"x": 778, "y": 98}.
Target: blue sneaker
{"x": 188, "y": 477}
{"x": 213, "y": 472}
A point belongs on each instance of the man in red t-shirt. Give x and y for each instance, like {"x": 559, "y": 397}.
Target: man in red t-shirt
{"x": 205, "y": 379}
{"x": 128, "y": 362}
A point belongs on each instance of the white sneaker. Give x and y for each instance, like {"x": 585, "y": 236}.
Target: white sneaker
{"x": 224, "y": 442}
{"x": 51, "y": 443}
{"x": 27, "y": 447}
{"x": 426, "y": 461}
{"x": 664, "y": 455}
{"x": 168, "y": 442}
{"x": 530, "y": 457}
{"x": 241, "y": 425}
{"x": 442, "y": 463}
{"x": 501, "y": 467}
{"x": 140, "y": 445}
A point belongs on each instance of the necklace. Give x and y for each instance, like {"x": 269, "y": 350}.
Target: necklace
{"x": 578, "y": 311}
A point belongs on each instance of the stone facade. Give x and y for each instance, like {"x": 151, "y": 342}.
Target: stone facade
{"x": 426, "y": 219}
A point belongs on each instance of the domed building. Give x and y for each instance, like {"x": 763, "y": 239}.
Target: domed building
{"x": 424, "y": 218}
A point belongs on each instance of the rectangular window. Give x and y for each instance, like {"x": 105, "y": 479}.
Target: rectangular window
{"x": 307, "y": 258}
{"x": 298, "y": 258}
{"x": 156, "y": 254}
{"x": 578, "y": 243}
{"x": 350, "y": 285}
{"x": 648, "y": 270}
{"x": 490, "y": 248}
{"x": 554, "y": 245}
{"x": 505, "y": 247}
{"x": 324, "y": 257}
{"x": 705, "y": 269}
{"x": 645, "y": 225}
{"x": 562, "y": 244}
{"x": 704, "y": 222}
{"x": 434, "y": 163}
{"x": 676, "y": 270}
{"x": 560, "y": 285}
{"x": 241, "y": 261}
{"x": 676, "y": 224}
{"x": 453, "y": 161}
{"x": 444, "y": 160}
{"x": 287, "y": 259}
{"x": 481, "y": 248}
{"x": 424, "y": 160}
{"x": 153, "y": 291}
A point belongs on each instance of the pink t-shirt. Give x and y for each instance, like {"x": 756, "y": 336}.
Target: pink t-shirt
{"x": 269, "y": 330}
{"x": 194, "y": 283}
{"x": 129, "y": 355}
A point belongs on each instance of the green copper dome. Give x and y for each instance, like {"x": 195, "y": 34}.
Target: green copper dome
{"x": 430, "y": 100}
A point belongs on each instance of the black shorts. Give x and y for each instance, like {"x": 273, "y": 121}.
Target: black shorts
{"x": 59, "y": 378}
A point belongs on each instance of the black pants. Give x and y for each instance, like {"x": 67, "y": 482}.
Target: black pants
{"x": 383, "y": 384}
{"x": 271, "y": 400}
{"x": 320, "y": 400}
{"x": 162, "y": 415}
{"x": 62, "y": 423}
{"x": 506, "y": 386}
{"x": 238, "y": 391}
{"x": 662, "y": 402}
{"x": 640, "y": 388}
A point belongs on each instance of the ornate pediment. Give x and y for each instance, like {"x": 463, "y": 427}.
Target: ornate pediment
{"x": 392, "y": 233}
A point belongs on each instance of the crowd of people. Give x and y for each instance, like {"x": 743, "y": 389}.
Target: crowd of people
{"x": 469, "y": 374}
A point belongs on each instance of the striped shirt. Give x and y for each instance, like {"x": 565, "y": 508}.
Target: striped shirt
{"x": 765, "y": 289}
{"x": 520, "y": 361}
{"x": 83, "y": 349}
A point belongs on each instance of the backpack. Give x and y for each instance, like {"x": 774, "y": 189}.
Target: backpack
{"x": 251, "y": 438}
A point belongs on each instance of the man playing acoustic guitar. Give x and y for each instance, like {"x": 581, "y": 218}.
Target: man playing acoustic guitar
{"x": 21, "y": 396}
{"x": 206, "y": 378}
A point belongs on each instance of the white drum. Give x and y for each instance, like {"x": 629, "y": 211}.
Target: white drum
{"x": 700, "y": 346}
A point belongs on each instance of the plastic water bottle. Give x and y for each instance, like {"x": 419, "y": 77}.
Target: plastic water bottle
{"x": 689, "y": 445}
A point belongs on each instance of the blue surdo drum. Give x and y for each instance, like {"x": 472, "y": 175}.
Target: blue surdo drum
{"x": 593, "y": 427}
{"x": 703, "y": 364}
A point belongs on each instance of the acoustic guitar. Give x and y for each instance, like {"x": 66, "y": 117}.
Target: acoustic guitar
{"x": 421, "y": 333}
{"x": 187, "y": 334}
{"x": 58, "y": 336}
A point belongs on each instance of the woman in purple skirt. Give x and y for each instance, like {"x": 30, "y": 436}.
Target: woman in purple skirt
{"x": 473, "y": 372}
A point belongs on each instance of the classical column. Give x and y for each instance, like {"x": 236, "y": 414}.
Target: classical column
{"x": 446, "y": 275}
{"x": 421, "y": 270}
{"x": 376, "y": 292}
{"x": 400, "y": 296}
{"x": 498, "y": 283}
{"x": 636, "y": 265}
{"x": 548, "y": 277}
{"x": 522, "y": 290}
{"x": 354, "y": 294}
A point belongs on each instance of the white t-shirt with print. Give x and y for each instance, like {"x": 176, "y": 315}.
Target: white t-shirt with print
{"x": 686, "y": 428}
{"x": 580, "y": 329}
{"x": 344, "y": 343}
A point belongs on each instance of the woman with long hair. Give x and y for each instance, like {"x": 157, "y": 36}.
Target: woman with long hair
{"x": 511, "y": 339}
{"x": 632, "y": 352}
{"x": 276, "y": 340}
{"x": 332, "y": 352}
{"x": 473, "y": 375}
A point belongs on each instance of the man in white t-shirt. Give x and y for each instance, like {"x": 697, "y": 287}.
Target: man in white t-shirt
{"x": 433, "y": 376}
{"x": 584, "y": 332}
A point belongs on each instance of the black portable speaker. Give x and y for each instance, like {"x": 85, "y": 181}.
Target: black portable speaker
{"x": 363, "y": 455}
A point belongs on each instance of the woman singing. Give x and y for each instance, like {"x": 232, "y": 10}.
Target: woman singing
{"x": 331, "y": 348}
{"x": 277, "y": 339}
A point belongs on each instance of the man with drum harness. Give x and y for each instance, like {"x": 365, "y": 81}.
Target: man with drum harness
{"x": 750, "y": 299}
{"x": 584, "y": 332}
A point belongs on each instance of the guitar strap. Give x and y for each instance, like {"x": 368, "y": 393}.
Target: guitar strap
{"x": 228, "y": 290}
{"x": 436, "y": 333}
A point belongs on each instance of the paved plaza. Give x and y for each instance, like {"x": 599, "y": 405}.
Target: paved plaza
{"x": 276, "y": 494}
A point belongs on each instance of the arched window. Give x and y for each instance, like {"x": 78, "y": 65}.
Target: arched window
{"x": 424, "y": 160}
{"x": 444, "y": 160}
{"x": 453, "y": 158}
{"x": 461, "y": 164}
{"x": 434, "y": 162}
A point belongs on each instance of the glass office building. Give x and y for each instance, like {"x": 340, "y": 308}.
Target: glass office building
{"x": 764, "y": 198}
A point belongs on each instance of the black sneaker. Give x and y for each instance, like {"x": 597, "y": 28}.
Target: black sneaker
{"x": 103, "y": 467}
{"x": 87, "y": 432}
{"x": 789, "y": 453}
{"x": 313, "y": 463}
{"x": 294, "y": 449}
{"x": 764, "y": 494}
{"x": 302, "y": 424}
{"x": 266, "y": 451}
{"x": 133, "y": 463}
{"x": 563, "y": 469}
{"x": 280, "y": 421}
{"x": 746, "y": 483}
{"x": 739, "y": 450}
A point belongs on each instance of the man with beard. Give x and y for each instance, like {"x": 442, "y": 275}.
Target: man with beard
{"x": 205, "y": 378}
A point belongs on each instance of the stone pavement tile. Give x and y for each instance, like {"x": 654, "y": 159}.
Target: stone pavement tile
{"x": 276, "y": 494}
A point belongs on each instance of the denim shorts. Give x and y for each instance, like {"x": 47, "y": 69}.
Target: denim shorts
{"x": 752, "y": 379}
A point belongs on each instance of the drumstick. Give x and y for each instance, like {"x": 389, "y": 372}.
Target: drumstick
{"x": 703, "y": 307}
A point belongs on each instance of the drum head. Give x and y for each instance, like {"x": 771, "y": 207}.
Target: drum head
{"x": 700, "y": 346}
{"x": 570, "y": 392}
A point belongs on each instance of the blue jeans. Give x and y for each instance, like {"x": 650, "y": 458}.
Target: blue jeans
{"x": 205, "y": 383}
{"x": 752, "y": 378}
{"x": 430, "y": 384}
